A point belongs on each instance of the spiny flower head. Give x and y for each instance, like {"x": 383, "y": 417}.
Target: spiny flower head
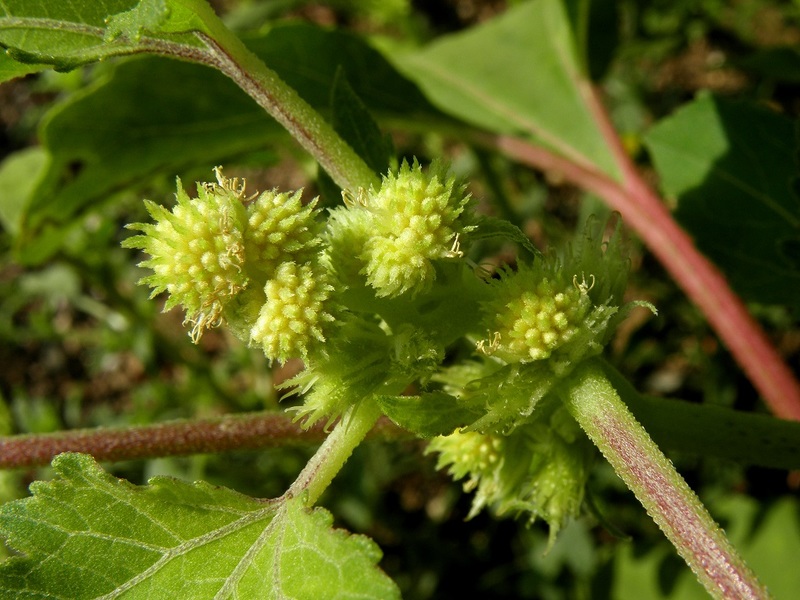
{"x": 562, "y": 308}
{"x": 475, "y": 455}
{"x": 297, "y": 309}
{"x": 539, "y": 469}
{"x": 415, "y": 217}
{"x": 280, "y": 229}
{"x": 197, "y": 253}
{"x": 533, "y": 313}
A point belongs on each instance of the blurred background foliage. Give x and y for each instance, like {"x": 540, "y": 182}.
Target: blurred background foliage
{"x": 81, "y": 345}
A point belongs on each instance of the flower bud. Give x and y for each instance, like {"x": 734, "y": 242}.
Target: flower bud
{"x": 296, "y": 311}
{"x": 279, "y": 229}
{"x": 197, "y": 253}
{"x": 415, "y": 218}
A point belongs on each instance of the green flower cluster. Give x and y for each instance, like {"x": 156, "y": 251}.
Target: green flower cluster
{"x": 539, "y": 469}
{"x": 277, "y": 276}
{"x": 372, "y": 297}
{"x": 543, "y": 319}
{"x": 393, "y": 235}
{"x": 533, "y": 317}
{"x": 252, "y": 263}
{"x": 561, "y": 308}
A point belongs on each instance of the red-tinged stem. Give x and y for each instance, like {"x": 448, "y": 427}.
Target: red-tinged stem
{"x": 176, "y": 438}
{"x": 592, "y": 400}
{"x": 646, "y": 214}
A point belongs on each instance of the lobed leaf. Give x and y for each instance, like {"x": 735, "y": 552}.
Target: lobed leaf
{"x": 87, "y": 534}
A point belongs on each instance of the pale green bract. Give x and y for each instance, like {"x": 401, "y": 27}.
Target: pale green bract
{"x": 87, "y": 535}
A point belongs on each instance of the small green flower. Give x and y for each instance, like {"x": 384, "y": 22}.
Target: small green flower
{"x": 539, "y": 469}
{"x": 474, "y": 455}
{"x": 280, "y": 229}
{"x": 531, "y": 315}
{"x": 560, "y": 308}
{"x": 297, "y": 309}
{"x": 197, "y": 253}
{"x": 414, "y": 218}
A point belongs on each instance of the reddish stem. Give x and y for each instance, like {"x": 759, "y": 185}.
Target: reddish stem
{"x": 705, "y": 285}
{"x": 176, "y": 438}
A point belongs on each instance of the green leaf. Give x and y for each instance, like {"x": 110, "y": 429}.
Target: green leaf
{"x": 143, "y": 131}
{"x": 70, "y": 34}
{"x": 492, "y": 227}
{"x": 518, "y": 74}
{"x": 156, "y": 17}
{"x": 352, "y": 120}
{"x": 730, "y": 166}
{"x": 430, "y": 414}
{"x": 19, "y": 175}
{"x": 136, "y": 123}
{"x": 87, "y": 534}
{"x": 713, "y": 431}
{"x": 308, "y": 58}
{"x": 11, "y": 69}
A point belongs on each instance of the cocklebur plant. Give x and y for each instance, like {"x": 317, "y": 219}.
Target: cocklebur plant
{"x": 371, "y": 297}
{"x": 511, "y": 419}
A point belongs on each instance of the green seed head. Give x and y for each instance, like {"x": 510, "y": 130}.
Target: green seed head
{"x": 197, "y": 253}
{"x": 296, "y": 312}
{"x": 532, "y": 315}
{"x": 472, "y": 454}
{"x": 539, "y": 469}
{"x": 415, "y": 218}
{"x": 279, "y": 229}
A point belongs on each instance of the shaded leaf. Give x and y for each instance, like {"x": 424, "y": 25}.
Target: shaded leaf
{"x": 89, "y": 535}
{"x": 352, "y": 120}
{"x": 518, "y": 74}
{"x": 430, "y": 414}
{"x": 19, "y": 174}
{"x": 492, "y": 227}
{"x": 730, "y": 165}
{"x": 11, "y": 69}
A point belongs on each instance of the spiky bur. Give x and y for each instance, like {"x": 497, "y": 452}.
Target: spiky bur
{"x": 543, "y": 320}
{"x": 280, "y": 229}
{"x": 296, "y": 310}
{"x": 561, "y": 308}
{"x": 352, "y": 366}
{"x": 197, "y": 253}
{"x": 254, "y": 263}
{"x": 538, "y": 470}
{"x": 392, "y": 235}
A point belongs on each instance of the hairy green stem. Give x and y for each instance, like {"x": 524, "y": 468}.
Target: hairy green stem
{"x": 283, "y": 103}
{"x": 592, "y": 400}
{"x": 317, "y": 475}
